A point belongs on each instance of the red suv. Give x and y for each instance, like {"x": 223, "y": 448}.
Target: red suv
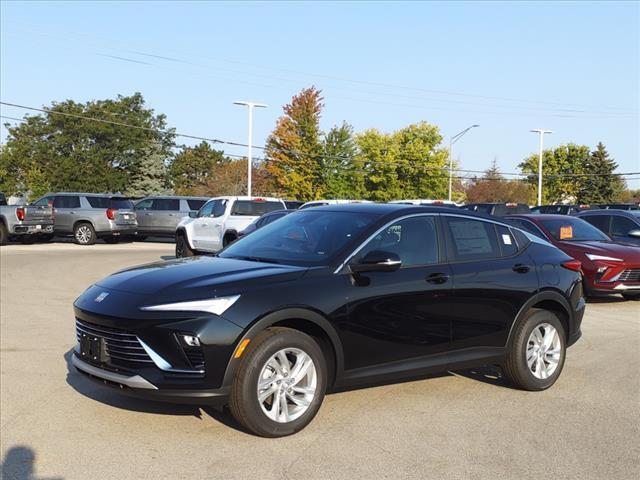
{"x": 607, "y": 267}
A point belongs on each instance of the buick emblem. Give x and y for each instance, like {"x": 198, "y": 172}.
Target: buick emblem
{"x": 101, "y": 297}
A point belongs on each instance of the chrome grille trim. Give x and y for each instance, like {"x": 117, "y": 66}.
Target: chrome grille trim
{"x": 119, "y": 345}
{"x": 629, "y": 275}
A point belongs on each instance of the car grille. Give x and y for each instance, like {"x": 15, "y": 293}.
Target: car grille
{"x": 119, "y": 344}
{"x": 196, "y": 358}
{"x": 630, "y": 275}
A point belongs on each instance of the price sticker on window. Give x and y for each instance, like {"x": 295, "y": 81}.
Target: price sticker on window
{"x": 566, "y": 232}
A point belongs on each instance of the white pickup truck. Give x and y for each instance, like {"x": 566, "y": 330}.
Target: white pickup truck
{"x": 218, "y": 222}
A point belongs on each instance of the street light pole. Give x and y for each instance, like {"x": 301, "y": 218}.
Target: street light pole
{"x": 251, "y": 106}
{"x": 541, "y": 132}
{"x": 453, "y": 140}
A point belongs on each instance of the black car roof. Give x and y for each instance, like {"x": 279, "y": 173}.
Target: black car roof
{"x": 610, "y": 211}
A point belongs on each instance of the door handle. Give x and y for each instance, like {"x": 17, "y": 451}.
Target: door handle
{"x": 437, "y": 278}
{"x": 520, "y": 268}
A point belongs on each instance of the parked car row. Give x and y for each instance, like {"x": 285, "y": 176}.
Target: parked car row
{"x": 25, "y": 222}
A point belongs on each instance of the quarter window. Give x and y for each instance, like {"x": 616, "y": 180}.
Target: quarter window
{"x": 413, "y": 239}
{"x": 472, "y": 239}
{"x": 506, "y": 240}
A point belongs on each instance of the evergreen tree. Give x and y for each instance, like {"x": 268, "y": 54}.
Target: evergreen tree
{"x": 150, "y": 176}
{"x": 602, "y": 186}
{"x": 342, "y": 177}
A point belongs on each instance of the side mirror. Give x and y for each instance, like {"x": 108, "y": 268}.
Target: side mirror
{"x": 377, "y": 261}
{"x": 635, "y": 233}
{"x": 193, "y": 214}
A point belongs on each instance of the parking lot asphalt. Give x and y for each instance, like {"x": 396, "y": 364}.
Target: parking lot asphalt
{"x": 56, "y": 424}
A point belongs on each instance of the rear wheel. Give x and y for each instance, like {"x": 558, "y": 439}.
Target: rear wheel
{"x": 537, "y": 353}
{"x": 280, "y": 383}
{"x": 84, "y": 234}
{"x": 182, "y": 247}
{"x": 228, "y": 238}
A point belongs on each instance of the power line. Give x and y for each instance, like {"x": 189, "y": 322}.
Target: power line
{"x": 174, "y": 58}
{"x": 289, "y": 151}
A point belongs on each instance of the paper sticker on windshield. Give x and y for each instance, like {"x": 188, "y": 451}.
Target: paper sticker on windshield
{"x": 566, "y": 232}
{"x": 506, "y": 239}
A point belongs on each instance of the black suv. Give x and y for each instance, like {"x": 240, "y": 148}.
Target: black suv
{"x": 332, "y": 297}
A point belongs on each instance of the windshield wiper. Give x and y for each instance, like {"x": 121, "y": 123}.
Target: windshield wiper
{"x": 255, "y": 259}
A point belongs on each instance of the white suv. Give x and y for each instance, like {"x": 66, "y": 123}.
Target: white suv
{"x": 218, "y": 222}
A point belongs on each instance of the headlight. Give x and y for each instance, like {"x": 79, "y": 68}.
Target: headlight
{"x": 216, "y": 306}
{"x": 593, "y": 258}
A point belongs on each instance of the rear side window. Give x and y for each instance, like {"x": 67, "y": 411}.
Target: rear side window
{"x": 254, "y": 208}
{"x": 472, "y": 239}
{"x": 195, "y": 204}
{"x": 622, "y": 225}
{"x": 144, "y": 204}
{"x": 166, "y": 204}
{"x": 601, "y": 222}
{"x": 67, "y": 201}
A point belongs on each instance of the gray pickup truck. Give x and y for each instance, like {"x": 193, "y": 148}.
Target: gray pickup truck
{"x": 25, "y": 222}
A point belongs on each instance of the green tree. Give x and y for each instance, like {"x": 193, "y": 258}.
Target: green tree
{"x": 561, "y": 168}
{"x": 600, "y": 186}
{"x": 60, "y": 150}
{"x": 342, "y": 176}
{"x": 294, "y": 149}
{"x": 149, "y": 176}
{"x": 193, "y": 167}
{"x": 377, "y": 154}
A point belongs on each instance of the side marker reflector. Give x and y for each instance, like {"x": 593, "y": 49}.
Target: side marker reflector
{"x": 241, "y": 347}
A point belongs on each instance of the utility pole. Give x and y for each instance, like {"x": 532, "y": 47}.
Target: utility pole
{"x": 541, "y": 132}
{"x": 453, "y": 140}
{"x": 251, "y": 106}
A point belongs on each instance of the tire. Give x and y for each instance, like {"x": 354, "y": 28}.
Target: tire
{"x": 542, "y": 373}
{"x": 183, "y": 249}
{"x": 301, "y": 407}
{"x": 84, "y": 233}
{"x": 4, "y": 233}
{"x": 631, "y": 295}
{"x": 111, "y": 240}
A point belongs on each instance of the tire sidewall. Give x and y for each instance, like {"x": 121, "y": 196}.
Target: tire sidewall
{"x": 182, "y": 244}
{"x": 520, "y": 345}
{"x": 92, "y": 240}
{"x": 255, "y": 419}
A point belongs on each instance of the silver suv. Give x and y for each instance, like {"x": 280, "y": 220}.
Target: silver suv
{"x": 89, "y": 216}
{"x": 159, "y": 216}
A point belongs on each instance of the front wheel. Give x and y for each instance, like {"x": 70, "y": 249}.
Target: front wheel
{"x": 537, "y": 353}
{"x": 182, "y": 247}
{"x": 280, "y": 383}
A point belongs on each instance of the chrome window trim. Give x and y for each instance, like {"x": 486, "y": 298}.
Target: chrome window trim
{"x": 370, "y": 237}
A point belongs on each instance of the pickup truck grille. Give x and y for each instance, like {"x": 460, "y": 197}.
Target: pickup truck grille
{"x": 119, "y": 344}
{"x": 630, "y": 275}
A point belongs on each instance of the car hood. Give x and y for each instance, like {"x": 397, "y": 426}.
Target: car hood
{"x": 628, "y": 253}
{"x": 185, "y": 277}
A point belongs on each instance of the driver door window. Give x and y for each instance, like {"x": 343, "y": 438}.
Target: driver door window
{"x": 413, "y": 239}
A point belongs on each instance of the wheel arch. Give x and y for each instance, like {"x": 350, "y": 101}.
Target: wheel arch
{"x": 183, "y": 231}
{"x": 307, "y": 321}
{"x": 546, "y": 300}
{"x": 83, "y": 220}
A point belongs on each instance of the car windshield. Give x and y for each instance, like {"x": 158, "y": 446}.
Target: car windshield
{"x": 573, "y": 230}
{"x": 307, "y": 238}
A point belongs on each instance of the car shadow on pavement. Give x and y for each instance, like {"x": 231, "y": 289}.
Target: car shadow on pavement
{"x": 18, "y": 464}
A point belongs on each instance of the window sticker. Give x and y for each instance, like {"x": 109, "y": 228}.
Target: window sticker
{"x": 506, "y": 239}
{"x": 566, "y": 232}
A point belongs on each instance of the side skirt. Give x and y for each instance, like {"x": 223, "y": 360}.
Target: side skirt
{"x": 441, "y": 362}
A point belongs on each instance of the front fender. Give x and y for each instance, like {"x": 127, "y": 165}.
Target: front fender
{"x": 290, "y": 313}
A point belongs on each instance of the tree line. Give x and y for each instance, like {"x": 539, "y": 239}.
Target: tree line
{"x": 133, "y": 151}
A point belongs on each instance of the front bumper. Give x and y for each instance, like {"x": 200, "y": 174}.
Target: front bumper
{"x": 138, "y": 386}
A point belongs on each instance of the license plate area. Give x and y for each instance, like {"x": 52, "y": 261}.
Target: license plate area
{"x": 92, "y": 348}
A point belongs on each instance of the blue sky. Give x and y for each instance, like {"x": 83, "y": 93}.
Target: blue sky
{"x": 570, "y": 67}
